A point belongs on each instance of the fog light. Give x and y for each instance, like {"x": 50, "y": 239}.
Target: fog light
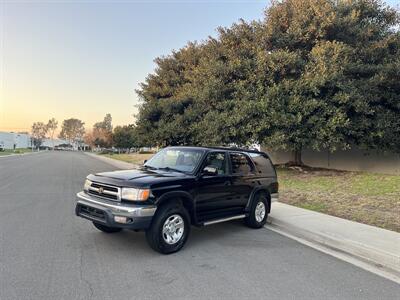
{"x": 120, "y": 219}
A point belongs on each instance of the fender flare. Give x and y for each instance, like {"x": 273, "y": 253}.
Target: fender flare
{"x": 182, "y": 196}
{"x": 254, "y": 193}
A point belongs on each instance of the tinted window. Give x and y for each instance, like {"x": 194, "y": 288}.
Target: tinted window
{"x": 240, "y": 163}
{"x": 218, "y": 161}
{"x": 263, "y": 164}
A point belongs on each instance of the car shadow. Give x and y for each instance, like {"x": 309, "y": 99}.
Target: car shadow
{"x": 233, "y": 233}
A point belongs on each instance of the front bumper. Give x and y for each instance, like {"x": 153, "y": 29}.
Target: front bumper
{"x": 103, "y": 212}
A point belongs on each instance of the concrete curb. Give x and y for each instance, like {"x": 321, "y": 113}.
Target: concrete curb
{"x": 380, "y": 258}
{"x": 114, "y": 162}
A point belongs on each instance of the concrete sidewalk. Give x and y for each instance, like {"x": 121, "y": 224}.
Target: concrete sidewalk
{"x": 373, "y": 245}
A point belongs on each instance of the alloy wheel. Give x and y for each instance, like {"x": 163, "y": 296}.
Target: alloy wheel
{"x": 173, "y": 229}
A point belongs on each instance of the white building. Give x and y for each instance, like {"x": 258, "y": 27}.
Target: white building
{"x": 12, "y": 140}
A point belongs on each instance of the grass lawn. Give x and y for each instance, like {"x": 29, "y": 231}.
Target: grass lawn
{"x": 16, "y": 151}
{"x": 133, "y": 158}
{"x": 368, "y": 198}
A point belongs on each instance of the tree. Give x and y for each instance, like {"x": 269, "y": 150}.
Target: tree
{"x": 166, "y": 96}
{"x": 102, "y": 132}
{"x": 52, "y": 125}
{"x": 317, "y": 74}
{"x": 39, "y": 131}
{"x": 106, "y": 124}
{"x": 72, "y": 130}
{"x": 89, "y": 139}
{"x": 331, "y": 98}
{"x": 225, "y": 87}
{"x": 125, "y": 137}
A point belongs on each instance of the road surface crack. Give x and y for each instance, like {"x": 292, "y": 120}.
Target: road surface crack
{"x": 82, "y": 278}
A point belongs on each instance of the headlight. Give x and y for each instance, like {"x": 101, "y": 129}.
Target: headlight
{"x": 132, "y": 194}
{"x": 87, "y": 184}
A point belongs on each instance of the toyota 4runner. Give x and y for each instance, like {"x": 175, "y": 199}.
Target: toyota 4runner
{"x": 179, "y": 187}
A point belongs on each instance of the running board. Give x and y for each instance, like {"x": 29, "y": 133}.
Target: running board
{"x": 223, "y": 220}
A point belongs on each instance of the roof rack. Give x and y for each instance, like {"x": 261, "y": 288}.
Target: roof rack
{"x": 252, "y": 150}
{"x": 234, "y": 149}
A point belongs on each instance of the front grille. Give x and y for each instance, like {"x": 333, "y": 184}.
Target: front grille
{"x": 92, "y": 213}
{"x": 105, "y": 191}
{"x": 105, "y": 187}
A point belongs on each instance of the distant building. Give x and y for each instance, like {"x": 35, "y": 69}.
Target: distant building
{"x": 48, "y": 143}
{"x": 12, "y": 140}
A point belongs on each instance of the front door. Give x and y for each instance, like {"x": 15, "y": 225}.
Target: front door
{"x": 213, "y": 191}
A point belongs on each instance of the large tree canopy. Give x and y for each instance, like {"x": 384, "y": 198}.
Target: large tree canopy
{"x": 314, "y": 73}
{"x": 72, "y": 130}
{"x": 125, "y": 137}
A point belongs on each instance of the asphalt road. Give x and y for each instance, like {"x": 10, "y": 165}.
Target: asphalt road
{"x": 49, "y": 253}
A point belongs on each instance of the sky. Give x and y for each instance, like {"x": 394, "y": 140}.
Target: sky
{"x": 84, "y": 59}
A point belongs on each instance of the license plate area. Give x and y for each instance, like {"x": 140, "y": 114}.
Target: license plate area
{"x": 92, "y": 212}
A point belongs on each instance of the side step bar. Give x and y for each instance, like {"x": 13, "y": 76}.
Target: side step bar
{"x": 224, "y": 220}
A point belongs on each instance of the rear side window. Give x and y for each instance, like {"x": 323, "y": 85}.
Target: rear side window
{"x": 263, "y": 164}
{"x": 241, "y": 164}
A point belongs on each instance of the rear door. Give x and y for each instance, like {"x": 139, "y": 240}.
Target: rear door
{"x": 242, "y": 178}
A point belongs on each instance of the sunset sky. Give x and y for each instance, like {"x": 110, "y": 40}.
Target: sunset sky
{"x": 85, "y": 59}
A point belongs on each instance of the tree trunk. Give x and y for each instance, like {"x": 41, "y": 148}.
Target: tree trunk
{"x": 296, "y": 157}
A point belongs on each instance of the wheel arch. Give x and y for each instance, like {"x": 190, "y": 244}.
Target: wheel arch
{"x": 255, "y": 192}
{"x": 182, "y": 197}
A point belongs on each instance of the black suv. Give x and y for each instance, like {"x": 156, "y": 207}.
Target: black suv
{"x": 179, "y": 187}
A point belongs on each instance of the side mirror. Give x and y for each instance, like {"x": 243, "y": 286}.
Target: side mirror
{"x": 210, "y": 171}
{"x": 145, "y": 161}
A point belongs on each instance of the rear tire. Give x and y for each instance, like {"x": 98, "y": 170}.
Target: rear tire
{"x": 106, "y": 229}
{"x": 258, "y": 211}
{"x": 169, "y": 229}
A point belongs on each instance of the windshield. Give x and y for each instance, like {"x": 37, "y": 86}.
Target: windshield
{"x": 182, "y": 160}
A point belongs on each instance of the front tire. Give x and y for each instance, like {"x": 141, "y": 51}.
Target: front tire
{"x": 170, "y": 229}
{"x": 258, "y": 212}
{"x": 105, "y": 228}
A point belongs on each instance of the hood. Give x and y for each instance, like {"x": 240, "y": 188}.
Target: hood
{"x": 136, "y": 177}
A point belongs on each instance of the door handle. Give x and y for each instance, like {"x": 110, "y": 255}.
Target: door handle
{"x": 227, "y": 182}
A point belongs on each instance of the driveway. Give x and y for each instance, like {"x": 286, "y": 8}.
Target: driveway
{"x": 48, "y": 253}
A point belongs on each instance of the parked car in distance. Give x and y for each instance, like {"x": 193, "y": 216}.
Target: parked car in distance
{"x": 179, "y": 187}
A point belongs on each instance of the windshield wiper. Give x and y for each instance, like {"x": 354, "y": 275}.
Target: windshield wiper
{"x": 150, "y": 167}
{"x": 171, "y": 169}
